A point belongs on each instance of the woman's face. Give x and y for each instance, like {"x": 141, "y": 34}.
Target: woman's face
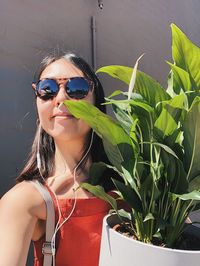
{"x": 55, "y": 119}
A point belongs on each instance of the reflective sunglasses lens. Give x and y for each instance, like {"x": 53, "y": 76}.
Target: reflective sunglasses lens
{"x": 47, "y": 89}
{"x": 77, "y": 88}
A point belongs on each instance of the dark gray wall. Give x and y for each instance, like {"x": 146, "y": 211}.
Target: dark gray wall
{"x": 31, "y": 28}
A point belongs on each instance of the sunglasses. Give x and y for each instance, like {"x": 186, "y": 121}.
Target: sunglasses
{"x": 76, "y": 88}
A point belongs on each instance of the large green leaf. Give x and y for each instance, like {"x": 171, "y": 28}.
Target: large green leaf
{"x": 118, "y": 144}
{"x": 180, "y": 183}
{"x": 194, "y": 195}
{"x": 120, "y": 111}
{"x": 191, "y": 142}
{"x": 125, "y": 214}
{"x": 149, "y": 193}
{"x": 113, "y": 153}
{"x": 186, "y": 55}
{"x": 143, "y": 105}
{"x": 128, "y": 168}
{"x": 166, "y": 148}
{"x": 168, "y": 121}
{"x": 181, "y": 79}
{"x": 148, "y": 217}
{"x": 173, "y": 171}
{"x": 96, "y": 171}
{"x": 145, "y": 85}
{"x": 174, "y": 141}
{"x": 195, "y": 184}
{"x": 191, "y": 97}
{"x": 129, "y": 195}
{"x": 143, "y": 115}
{"x": 122, "y": 73}
{"x": 125, "y": 104}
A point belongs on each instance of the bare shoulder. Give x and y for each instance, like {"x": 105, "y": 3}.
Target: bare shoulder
{"x": 25, "y": 198}
{"x": 20, "y": 210}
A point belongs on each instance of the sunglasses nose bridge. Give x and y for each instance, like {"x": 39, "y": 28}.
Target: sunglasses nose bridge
{"x": 61, "y": 95}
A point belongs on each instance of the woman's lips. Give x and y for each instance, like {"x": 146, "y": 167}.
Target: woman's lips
{"x": 63, "y": 115}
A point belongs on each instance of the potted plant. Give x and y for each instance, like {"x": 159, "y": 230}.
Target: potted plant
{"x": 154, "y": 145}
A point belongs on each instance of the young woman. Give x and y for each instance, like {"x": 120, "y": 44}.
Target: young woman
{"x": 62, "y": 153}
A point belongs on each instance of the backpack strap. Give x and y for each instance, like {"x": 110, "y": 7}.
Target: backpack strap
{"x": 47, "y": 250}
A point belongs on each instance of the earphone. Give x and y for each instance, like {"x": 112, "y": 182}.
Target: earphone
{"x": 58, "y": 226}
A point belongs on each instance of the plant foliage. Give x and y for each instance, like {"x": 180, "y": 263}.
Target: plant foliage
{"x": 153, "y": 143}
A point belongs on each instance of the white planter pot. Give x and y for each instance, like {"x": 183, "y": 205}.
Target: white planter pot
{"x": 119, "y": 250}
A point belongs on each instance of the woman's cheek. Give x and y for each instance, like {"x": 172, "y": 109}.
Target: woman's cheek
{"x": 44, "y": 111}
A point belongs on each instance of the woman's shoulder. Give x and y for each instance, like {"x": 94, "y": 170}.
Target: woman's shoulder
{"x": 25, "y": 197}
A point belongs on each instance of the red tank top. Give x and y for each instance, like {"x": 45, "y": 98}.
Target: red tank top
{"x": 78, "y": 240}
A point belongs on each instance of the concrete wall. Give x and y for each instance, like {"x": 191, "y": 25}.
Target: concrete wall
{"x": 30, "y": 29}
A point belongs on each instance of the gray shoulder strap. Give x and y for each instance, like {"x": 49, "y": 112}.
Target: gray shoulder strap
{"x": 50, "y": 222}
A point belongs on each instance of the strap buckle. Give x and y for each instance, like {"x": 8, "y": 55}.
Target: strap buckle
{"x": 48, "y": 249}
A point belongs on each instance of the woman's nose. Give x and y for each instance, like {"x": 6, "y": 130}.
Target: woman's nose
{"x": 61, "y": 96}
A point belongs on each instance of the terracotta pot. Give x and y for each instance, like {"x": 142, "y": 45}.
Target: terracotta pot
{"x": 119, "y": 250}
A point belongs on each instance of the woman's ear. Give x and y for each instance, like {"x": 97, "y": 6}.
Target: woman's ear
{"x": 33, "y": 86}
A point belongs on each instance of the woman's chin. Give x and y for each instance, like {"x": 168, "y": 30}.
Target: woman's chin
{"x": 62, "y": 125}
{"x": 64, "y": 134}
{"x": 67, "y": 129}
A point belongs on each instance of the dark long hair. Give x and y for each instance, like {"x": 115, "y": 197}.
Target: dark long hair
{"x": 46, "y": 147}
